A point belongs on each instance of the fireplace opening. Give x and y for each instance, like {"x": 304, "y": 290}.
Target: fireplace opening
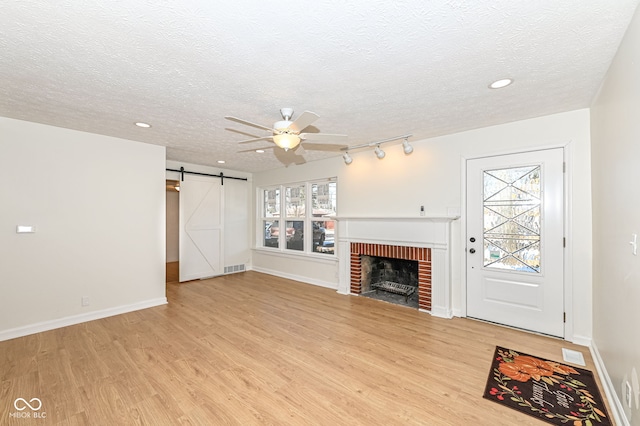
{"x": 390, "y": 279}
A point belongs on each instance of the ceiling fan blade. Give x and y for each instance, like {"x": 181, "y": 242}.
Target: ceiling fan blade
{"x": 255, "y": 149}
{"x": 266, "y": 138}
{"x": 323, "y": 137}
{"x": 305, "y": 120}
{"x": 248, "y": 123}
{"x": 240, "y": 132}
{"x": 300, "y": 150}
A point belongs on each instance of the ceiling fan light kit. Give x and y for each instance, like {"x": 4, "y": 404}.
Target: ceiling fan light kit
{"x": 286, "y": 141}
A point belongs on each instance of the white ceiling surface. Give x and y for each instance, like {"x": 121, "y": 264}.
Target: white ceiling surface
{"x": 371, "y": 69}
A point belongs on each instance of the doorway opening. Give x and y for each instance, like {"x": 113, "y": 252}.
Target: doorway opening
{"x": 172, "y": 230}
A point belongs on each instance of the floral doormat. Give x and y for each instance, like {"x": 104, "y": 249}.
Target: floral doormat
{"x": 554, "y": 392}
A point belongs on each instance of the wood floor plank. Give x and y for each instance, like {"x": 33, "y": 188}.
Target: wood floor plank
{"x": 251, "y": 348}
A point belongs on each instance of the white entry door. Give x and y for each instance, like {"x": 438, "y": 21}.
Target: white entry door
{"x": 515, "y": 255}
{"x": 200, "y": 228}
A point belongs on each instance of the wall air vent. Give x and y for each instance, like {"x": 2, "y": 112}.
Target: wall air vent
{"x": 233, "y": 268}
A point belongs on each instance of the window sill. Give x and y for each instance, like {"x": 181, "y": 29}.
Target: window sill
{"x": 328, "y": 258}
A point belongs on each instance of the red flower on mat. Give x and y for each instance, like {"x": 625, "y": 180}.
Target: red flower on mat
{"x": 498, "y": 394}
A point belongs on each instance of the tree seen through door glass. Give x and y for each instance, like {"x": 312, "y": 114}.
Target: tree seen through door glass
{"x": 512, "y": 218}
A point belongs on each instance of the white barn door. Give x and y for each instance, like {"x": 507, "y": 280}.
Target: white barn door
{"x": 201, "y": 228}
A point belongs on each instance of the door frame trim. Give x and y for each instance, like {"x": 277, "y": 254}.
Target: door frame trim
{"x": 568, "y": 230}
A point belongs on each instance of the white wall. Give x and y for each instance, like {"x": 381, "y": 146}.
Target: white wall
{"x": 98, "y": 204}
{"x": 615, "y": 132}
{"x": 398, "y": 185}
{"x": 237, "y": 210}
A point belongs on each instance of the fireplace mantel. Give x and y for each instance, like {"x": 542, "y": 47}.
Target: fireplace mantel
{"x": 400, "y": 218}
{"x": 433, "y": 232}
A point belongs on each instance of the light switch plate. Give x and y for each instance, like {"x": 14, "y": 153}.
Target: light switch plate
{"x": 25, "y": 229}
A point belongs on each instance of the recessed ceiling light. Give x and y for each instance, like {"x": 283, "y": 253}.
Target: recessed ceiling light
{"x": 221, "y": 161}
{"x": 499, "y": 84}
{"x": 260, "y": 151}
{"x": 143, "y": 125}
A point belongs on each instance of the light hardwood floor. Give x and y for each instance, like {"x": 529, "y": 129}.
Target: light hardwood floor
{"x": 172, "y": 272}
{"x": 251, "y": 348}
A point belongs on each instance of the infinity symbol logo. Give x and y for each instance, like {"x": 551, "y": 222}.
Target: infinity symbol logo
{"x": 28, "y": 404}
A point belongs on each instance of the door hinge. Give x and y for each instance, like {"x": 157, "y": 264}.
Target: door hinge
{"x": 564, "y": 317}
{"x": 564, "y": 167}
{"x": 564, "y": 241}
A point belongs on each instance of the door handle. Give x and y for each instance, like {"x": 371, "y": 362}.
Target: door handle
{"x": 472, "y": 250}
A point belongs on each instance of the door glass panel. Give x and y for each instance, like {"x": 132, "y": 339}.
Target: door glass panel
{"x": 512, "y": 217}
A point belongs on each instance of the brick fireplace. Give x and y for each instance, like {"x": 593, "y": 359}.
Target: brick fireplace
{"x": 425, "y": 240}
{"x": 420, "y": 254}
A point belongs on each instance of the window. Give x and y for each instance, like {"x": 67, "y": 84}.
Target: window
{"x": 270, "y": 210}
{"x": 318, "y": 198}
{"x": 323, "y": 201}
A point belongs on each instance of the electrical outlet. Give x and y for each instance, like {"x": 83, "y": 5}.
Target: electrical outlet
{"x": 85, "y": 300}
{"x": 627, "y": 393}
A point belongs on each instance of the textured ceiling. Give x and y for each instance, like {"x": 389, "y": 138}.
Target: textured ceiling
{"x": 371, "y": 69}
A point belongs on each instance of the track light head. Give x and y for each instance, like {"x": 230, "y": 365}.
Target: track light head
{"x": 407, "y": 148}
{"x": 347, "y": 158}
{"x": 379, "y": 152}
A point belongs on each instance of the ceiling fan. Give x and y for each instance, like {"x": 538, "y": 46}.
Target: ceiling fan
{"x": 287, "y": 134}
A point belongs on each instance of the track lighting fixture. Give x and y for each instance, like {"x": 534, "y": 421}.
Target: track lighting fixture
{"x": 406, "y": 147}
{"x": 347, "y": 158}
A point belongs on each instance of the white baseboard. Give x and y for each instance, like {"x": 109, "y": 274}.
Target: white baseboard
{"x": 441, "y": 312}
{"x": 78, "y": 319}
{"x": 609, "y": 390}
{"x": 581, "y": 340}
{"x": 307, "y": 280}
